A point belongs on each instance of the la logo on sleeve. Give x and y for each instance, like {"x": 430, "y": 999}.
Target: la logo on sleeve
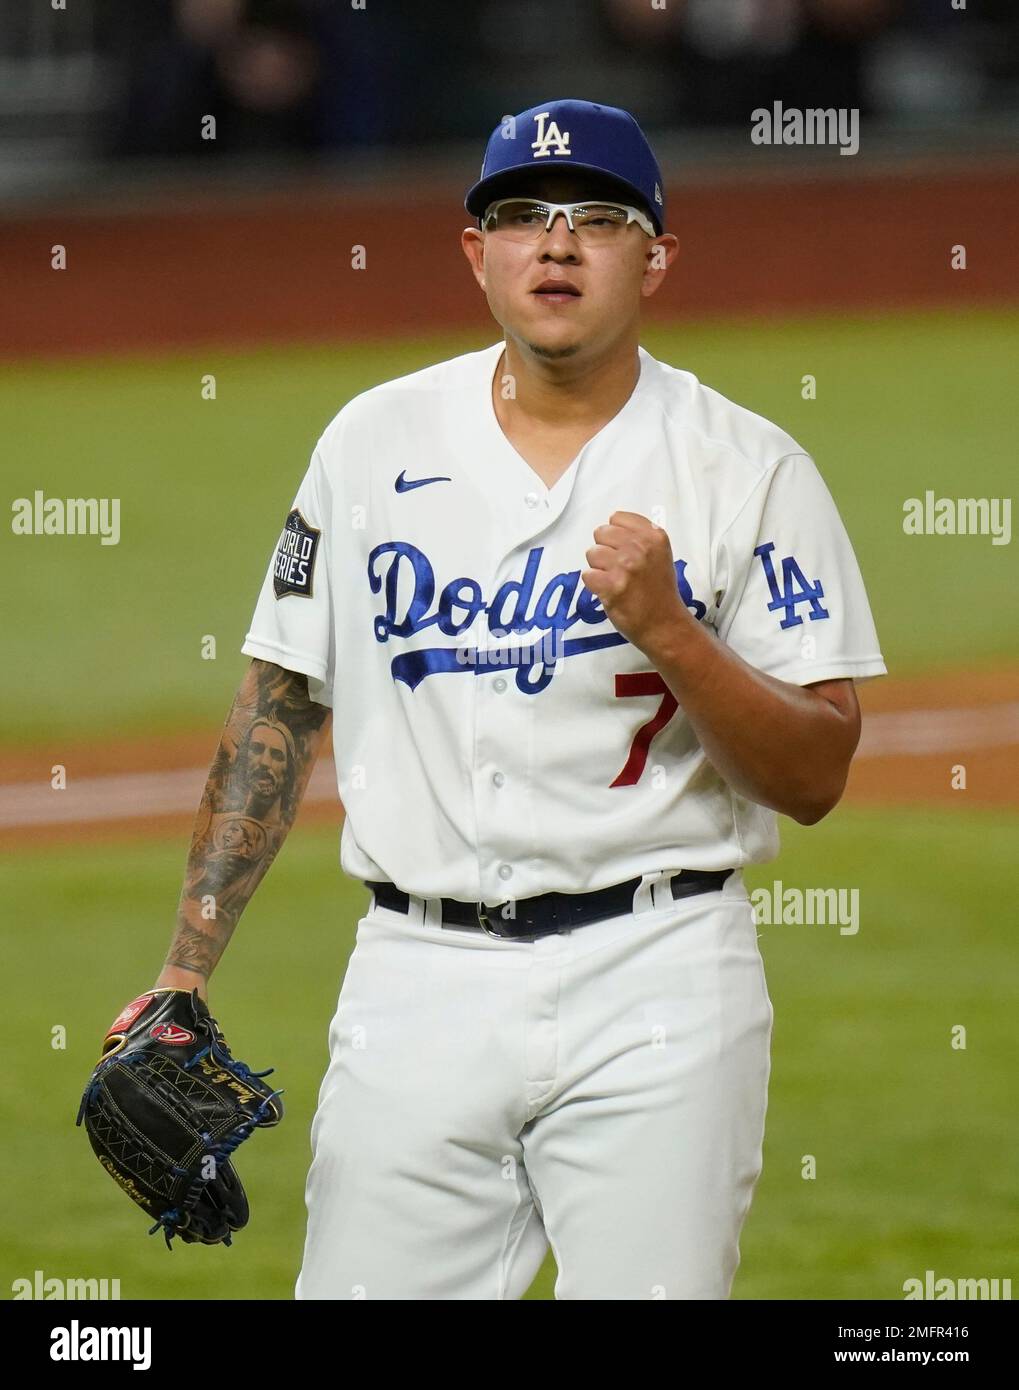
{"x": 294, "y": 566}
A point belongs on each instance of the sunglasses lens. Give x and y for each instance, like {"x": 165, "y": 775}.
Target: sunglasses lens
{"x": 519, "y": 220}
{"x": 599, "y": 222}
{"x": 525, "y": 220}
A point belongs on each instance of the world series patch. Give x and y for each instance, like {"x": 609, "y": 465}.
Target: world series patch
{"x": 294, "y": 565}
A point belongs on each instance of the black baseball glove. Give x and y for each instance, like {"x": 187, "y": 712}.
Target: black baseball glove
{"x": 165, "y": 1108}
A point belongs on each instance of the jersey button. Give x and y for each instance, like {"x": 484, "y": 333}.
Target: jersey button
{"x": 498, "y": 778}
{"x": 505, "y": 871}
{"x": 531, "y": 498}
{"x": 499, "y": 684}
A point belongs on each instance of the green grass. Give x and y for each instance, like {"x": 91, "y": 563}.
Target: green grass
{"x": 910, "y": 1135}
{"x": 914, "y": 1141}
{"x": 108, "y": 638}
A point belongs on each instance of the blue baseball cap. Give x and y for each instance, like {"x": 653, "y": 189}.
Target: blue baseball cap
{"x": 574, "y": 134}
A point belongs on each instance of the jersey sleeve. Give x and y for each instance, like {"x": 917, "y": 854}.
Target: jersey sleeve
{"x": 793, "y": 600}
{"x": 293, "y": 621}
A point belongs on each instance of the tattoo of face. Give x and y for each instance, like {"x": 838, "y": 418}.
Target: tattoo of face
{"x": 250, "y": 802}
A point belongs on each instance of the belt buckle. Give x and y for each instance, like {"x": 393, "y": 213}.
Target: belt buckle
{"x": 485, "y": 923}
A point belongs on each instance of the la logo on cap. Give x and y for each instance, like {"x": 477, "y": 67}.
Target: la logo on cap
{"x": 550, "y": 140}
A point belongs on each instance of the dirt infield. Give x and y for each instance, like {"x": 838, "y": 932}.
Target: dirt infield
{"x": 916, "y": 734}
{"x": 203, "y": 270}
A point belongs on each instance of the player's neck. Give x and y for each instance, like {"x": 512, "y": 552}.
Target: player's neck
{"x": 563, "y": 393}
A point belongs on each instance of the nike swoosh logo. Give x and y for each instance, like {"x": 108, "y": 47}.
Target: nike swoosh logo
{"x": 403, "y": 485}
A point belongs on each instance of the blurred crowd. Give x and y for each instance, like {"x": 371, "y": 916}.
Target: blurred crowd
{"x": 321, "y": 75}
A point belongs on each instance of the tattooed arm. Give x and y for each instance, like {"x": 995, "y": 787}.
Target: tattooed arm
{"x": 266, "y": 753}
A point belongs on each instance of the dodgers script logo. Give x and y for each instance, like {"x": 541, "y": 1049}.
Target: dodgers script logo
{"x": 513, "y": 609}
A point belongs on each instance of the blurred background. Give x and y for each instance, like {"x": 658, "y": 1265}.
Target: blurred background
{"x": 207, "y": 323}
{"x": 97, "y": 81}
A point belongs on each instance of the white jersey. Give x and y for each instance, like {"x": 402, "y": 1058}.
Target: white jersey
{"x": 495, "y": 737}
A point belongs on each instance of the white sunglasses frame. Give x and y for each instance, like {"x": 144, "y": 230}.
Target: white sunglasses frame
{"x": 567, "y": 209}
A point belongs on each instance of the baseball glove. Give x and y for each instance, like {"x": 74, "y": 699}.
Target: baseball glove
{"x": 166, "y": 1106}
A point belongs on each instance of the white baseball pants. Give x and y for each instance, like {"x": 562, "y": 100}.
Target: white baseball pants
{"x": 602, "y": 1090}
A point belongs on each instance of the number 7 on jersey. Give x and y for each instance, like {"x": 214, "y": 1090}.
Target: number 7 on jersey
{"x": 643, "y": 683}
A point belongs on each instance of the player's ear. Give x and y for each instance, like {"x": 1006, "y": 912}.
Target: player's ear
{"x": 660, "y": 254}
{"x": 472, "y": 241}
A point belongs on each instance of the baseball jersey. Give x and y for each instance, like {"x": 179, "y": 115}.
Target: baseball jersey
{"x": 494, "y": 736}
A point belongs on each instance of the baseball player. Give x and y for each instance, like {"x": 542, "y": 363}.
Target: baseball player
{"x": 582, "y": 627}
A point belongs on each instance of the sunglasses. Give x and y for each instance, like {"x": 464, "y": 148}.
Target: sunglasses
{"x": 594, "y": 223}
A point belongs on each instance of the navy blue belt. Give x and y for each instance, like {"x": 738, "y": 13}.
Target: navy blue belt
{"x": 550, "y": 912}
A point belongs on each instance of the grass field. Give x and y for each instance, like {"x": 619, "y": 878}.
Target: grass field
{"x": 903, "y": 404}
{"x": 914, "y": 1141}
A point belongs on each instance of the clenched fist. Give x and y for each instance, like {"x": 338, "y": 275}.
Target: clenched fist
{"x": 633, "y": 575}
